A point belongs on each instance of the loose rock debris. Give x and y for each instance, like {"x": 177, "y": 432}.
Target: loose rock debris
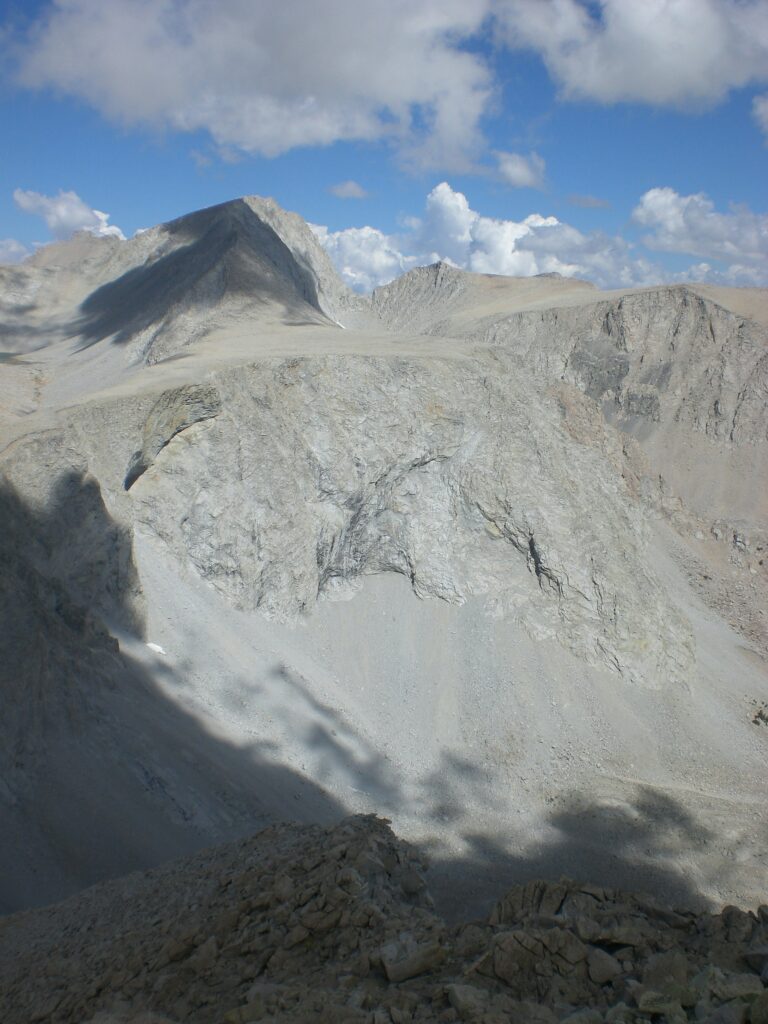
{"x": 304, "y": 923}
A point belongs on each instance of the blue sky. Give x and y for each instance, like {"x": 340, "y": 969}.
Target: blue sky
{"x": 620, "y": 141}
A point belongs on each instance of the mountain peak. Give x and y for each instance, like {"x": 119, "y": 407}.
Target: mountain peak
{"x": 170, "y": 284}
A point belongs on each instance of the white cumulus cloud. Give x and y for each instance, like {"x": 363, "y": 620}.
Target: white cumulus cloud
{"x": 691, "y": 224}
{"x": 65, "y": 213}
{"x": 365, "y": 257}
{"x": 447, "y": 227}
{"x": 521, "y": 171}
{"x": 451, "y": 230}
{"x": 656, "y": 51}
{"x": 267, "y": 77}
{"x": 348, "y": 190}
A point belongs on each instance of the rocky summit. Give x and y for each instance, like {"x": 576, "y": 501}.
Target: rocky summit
{"x": 482, "y": 555}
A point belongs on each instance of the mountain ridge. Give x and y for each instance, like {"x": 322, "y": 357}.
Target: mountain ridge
{"x": 463, "y": 562}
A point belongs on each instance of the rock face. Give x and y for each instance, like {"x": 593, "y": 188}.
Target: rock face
{"x": 303, "y": 924}
{"x": 438, "y": 298}
{"x": 491, "y": 553}
{"x": 681, "y": 376}
{"x": 666, "y": 365}
{"x": 436, "y": 486}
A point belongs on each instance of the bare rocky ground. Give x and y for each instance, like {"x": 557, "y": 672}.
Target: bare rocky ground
{"x": 483, "y": 555}
{"x": 309, "y": 924}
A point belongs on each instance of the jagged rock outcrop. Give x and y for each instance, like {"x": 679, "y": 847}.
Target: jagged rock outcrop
{"x": 661, "y": 356}
{"x": 681, "y": 373}
{"x": 421, "y": 299}
{"x": 299, "y": 925}
{"x": 174, "y": 411}
{"x": 441, "y": 299}
{"x": 683, "y": 378}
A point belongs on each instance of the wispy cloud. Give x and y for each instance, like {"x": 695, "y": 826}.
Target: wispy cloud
{"x": 691, "y": 224}
{"x": 257, "y": 78}
{"x": 348, "y": 190}
{"x": 65, "y": 213}
{"x": 12, "y": 251}
{"x": 760, "y": 113}
{"x": 521, "y": 171}
{"x": 201, "y": 160}
{"x": 664, "y": 52}
{"x": 588, "y": 202}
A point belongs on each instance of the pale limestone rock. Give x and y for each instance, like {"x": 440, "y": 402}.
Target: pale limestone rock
{"x": 656, "y": 1003}
{"x": 737, "y": 986}
{"x": 467, "y": 1000}
{"x": 667, "y": 972}
{"x": 406, "y": 958}
{"x": 602, "y": 966}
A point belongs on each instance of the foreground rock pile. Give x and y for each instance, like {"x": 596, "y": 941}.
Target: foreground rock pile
{"x": 335, "y": 924}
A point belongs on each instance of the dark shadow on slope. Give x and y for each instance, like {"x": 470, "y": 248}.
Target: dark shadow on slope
{"x": 456, "y": 785}
{"x": 342, "y": 752}
{"x": 226, "y": 250}
{"x": 630, "y": 846}
{"x": 74, "y": 546}
{"x": 101, "y": 773}
{"x": 18, "y": 339}
{"x": 635, "y": 845}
